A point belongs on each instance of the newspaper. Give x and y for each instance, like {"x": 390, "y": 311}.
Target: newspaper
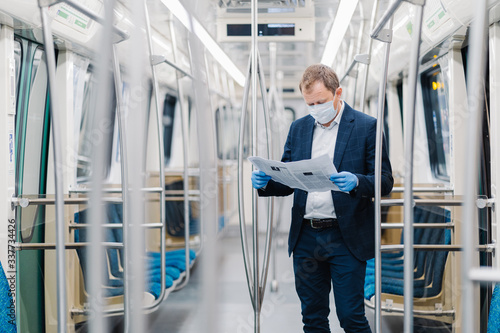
{"x": 309, "y": 175}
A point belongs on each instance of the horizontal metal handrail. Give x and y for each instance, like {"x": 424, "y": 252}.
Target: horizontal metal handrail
{"x": 115, "y": 190}
{"x": 25, "y": 202}
{"x": 484, "y": 274}
{"x": 385, "y": 18}
{"x": 480, "y": 202}
{"x": 68, "y": 246}
{"x": 435, "y": 247}
{"x": 423, "y": 202}
{"x": 113, "y": 225}
{"x": 417, "y": 312}
{"x": 180, "y": 192}
{"x": 158, "y": 59}
{"x": 419, "y": 225}
{"x": 400, "y": 189}
{"x": 93, "y": 16}
{"x": 192, "y": 172}
{"x": 192, "y": 198}
{"x": 358, "y": 58}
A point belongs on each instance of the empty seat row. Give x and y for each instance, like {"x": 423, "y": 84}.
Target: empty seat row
{"x": 428, "y": 265}
{"x": 113, "y": 284}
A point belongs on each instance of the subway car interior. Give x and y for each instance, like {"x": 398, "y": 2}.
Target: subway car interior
{"x": 127, "y": 128}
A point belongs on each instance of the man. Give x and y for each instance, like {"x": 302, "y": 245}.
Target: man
{"x": 332, "y": 233}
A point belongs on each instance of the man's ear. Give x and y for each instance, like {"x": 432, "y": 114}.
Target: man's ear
{"x": 338, "y": 92}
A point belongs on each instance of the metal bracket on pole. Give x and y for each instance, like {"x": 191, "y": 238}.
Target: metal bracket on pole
{"x": 358, "y": 58}
{"x": 158, "y": 59}
{"x": 485, "y": 203}
{"x": 385, "y": 35}
{"x": 362, "y": 58}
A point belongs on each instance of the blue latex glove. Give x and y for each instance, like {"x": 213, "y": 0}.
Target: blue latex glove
{"x": 346, "y": 181}
{"x": 259, "y": 179}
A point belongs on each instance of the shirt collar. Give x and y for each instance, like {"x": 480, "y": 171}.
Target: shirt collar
{"x": 337, "y": 118}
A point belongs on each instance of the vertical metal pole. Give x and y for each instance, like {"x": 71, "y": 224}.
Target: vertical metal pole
{"x": 378, "y": 173}
{"x": 358, "y": 50}
{"x": 208, "y": 180}
{"x": 273, "y": 96}
{"x": 256, "y": 295}
{"x": 103, "y": 110}
{"x": 221, "y": 105}
{"x": 369, "y": 51}
{"x": 475, "y": 85}
{"x": 135, "y": 133}
{"x": 408, "y": 182}
{"x": 161, "y": 155}
{"x": 185, "y": 148}
{"x": 124, "y": 170}
{"x": 58, "y": 177}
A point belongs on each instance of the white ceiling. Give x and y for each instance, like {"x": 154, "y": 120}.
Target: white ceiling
{"x": 292, "y": 57}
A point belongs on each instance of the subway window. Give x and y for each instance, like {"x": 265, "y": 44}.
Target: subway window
{"x": 18, "y": 53}
{"x": 399, "y": 88}
{"x": 168, "y": 124}
{"x": 289, "y": 116}
{"x": 90, "y": 136}
{"x": 227, "y": 122}
{"x": 435, "y": 97}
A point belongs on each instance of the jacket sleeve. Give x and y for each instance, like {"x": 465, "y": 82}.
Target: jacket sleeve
{"x": 366, "y": 187}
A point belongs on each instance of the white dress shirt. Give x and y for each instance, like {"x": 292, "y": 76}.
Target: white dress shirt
{"x": 319, "y": 205}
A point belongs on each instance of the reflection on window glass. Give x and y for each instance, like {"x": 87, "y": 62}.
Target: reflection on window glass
{"x": 90, "y": 136}
{"x": 228, "y": 124}
{"x": 34, "y": 161}
{"x": 289, "y": 117}
{"x": 399, "y": 88}
{"x": 168, "y": 124}
{"x": 437, "y": 121}
{"x": 17, "y": 61}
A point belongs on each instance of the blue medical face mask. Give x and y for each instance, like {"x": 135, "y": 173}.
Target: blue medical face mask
{"x": 323, "y": 113}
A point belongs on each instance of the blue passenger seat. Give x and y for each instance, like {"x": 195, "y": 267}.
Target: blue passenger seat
{"x": 174, "y": 214}
{"x": 8, "y": 313}
{"x": 429, "y": 265}
{"x": 494, "y": 316}
{"x": 175, "y": 259}
{"x": 113, "y": 283}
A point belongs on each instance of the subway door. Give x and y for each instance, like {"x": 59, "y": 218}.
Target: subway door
{"x": 31, "y": 136}
{"x": 8, "y": 68}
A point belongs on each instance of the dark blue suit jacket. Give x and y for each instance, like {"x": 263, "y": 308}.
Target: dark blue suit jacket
{"x": 354, "y": 152}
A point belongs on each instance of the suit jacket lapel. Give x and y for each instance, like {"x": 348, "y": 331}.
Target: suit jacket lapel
{"x": 306, "y": 138}
{"x": 345, "y": 128}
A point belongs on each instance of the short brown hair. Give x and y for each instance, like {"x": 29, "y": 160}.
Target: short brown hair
{"x": 322, "y": 73}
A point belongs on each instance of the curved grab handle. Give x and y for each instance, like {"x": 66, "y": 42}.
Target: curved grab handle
{"x": 161, "y": 160}
{"x": 241, "y": 206}
{"x": 270, "y": 210}
{"x": 248, "y": 269}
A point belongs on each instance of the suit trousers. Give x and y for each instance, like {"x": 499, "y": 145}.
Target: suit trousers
{"x": 320, "y": 260}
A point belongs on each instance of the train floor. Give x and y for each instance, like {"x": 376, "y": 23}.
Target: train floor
{"x": 180, "y": 312}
